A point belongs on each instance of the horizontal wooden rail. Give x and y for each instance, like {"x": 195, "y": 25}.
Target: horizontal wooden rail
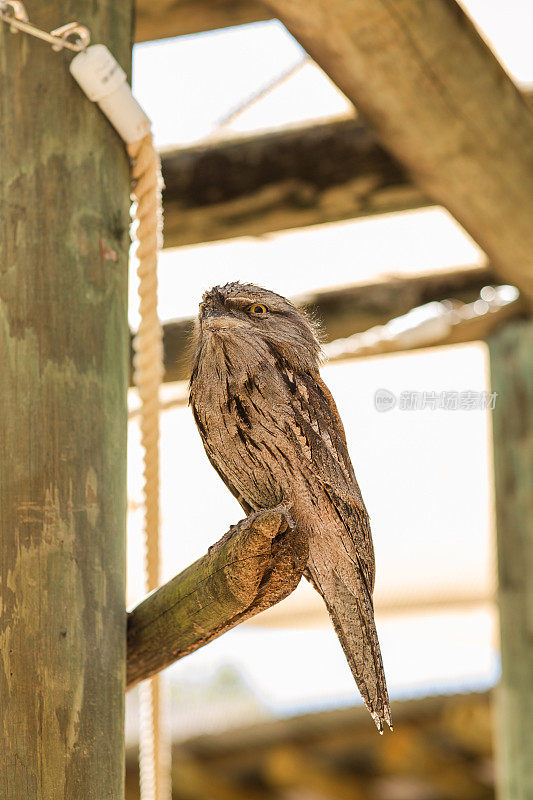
{"x": 434, "y": 325}
{"x": 255, "y": 565}
{"x": 285, "y": 179}
{"x": 441, "y": 324}
{"x": 291, "y": 178}
{"x": 351, "y": 309}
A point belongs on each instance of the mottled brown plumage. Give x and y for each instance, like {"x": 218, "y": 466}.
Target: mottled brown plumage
{"x": 271, "y": 429}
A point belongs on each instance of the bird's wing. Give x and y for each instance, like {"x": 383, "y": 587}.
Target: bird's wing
{"x": 344, "y": 576}
{"x": 319, "y": 426}
{"x": 218, "y": 466}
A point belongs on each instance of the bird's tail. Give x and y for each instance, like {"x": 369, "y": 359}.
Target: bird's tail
{"x": 352, "y": 615}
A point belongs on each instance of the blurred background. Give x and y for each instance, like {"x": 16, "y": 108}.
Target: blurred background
{"x": 270, "y": 709}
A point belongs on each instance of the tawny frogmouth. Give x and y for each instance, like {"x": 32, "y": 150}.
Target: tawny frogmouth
{"x": 271, "y": 429}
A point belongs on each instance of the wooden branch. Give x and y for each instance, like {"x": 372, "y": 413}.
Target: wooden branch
{"x": 286, "y": 179}
{"x": 255, "y": 565}
{"x": 441, "y": 103}
{"x": 348, "y": 310}
{"x": 156, "y": 19}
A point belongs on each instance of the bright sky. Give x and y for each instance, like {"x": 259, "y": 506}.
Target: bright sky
{"x": 425, "y": 475}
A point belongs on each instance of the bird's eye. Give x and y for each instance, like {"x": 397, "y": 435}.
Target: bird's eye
{"x": 257, "y": 308}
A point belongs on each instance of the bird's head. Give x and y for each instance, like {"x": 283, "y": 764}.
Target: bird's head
{"x": 245, "y": 317}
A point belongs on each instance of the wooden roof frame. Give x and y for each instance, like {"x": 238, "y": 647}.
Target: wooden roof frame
{"x": 437, "y": 98}
{"x": 442, "y": 105}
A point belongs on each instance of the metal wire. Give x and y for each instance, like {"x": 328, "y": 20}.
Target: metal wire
{"x": 14, "y": 14}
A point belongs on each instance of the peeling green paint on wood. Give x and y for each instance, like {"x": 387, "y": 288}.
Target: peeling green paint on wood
{"x": 511, "y": 364}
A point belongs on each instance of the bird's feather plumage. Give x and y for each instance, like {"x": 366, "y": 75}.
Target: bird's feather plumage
{"x": 271, "y": 429}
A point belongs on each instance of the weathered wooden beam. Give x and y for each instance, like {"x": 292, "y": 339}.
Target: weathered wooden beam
{"x": 255, "y": 565}
{"x": 156, "y": 19}
{"x": 437, "y": 325}
{"x": 195, "y": 782}
{"x": 441, "y": 103}
{"x": 287, "y": 179}
{"x": 511, "y": 366}
{"x": 64, "y": 218}
{"x": 347, "y": 731}
{"x": 441, "y": 747}
{"x": 347, "y": 310}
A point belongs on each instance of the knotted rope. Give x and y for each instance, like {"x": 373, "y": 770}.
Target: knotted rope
{"x": 154, "y": 748}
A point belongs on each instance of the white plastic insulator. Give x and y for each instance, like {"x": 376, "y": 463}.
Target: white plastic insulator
{"x": 104, "y": 82}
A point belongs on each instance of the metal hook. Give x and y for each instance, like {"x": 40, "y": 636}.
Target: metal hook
{"x": 72, "y": 29}
{"x": 14, "y": 13}
{"x": 14, "y": 9}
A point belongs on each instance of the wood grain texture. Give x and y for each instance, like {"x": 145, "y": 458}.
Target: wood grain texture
{"x": 157, "y": 19}
{"x": 454, "y": 326}
{"x": 255, "y": 565}
{"x": 64, "y": 197}
{"x": 511, "y": 365}
{"x": 292, "y": 178}
{"x": 441, "y": 103}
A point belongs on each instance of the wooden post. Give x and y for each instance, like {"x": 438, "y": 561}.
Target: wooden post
{"x": 64, "y": 197}
{"x": 511, "y": 358}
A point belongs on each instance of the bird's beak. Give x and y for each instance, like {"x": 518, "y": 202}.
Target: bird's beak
{"x": 213, "y": 320}
{"x": 209, "y": 313}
